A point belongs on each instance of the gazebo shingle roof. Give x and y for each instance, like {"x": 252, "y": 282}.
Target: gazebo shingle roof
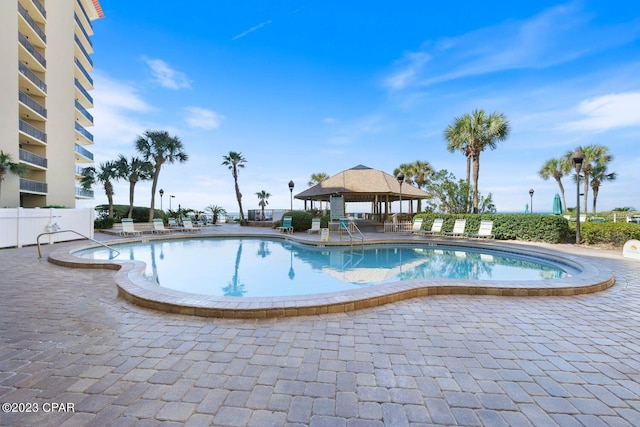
{"x": 361, "y": 184}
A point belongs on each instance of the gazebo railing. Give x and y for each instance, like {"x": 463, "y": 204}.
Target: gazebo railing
{"x": 398, "y": 227}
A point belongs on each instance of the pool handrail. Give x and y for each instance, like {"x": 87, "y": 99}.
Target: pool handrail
{"x": 71, "y": 231}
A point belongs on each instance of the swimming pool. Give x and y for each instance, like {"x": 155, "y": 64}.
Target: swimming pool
{"x": 269, "y": 267}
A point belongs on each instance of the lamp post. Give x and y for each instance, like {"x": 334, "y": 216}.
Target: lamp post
{"x": 400, "y": 179}
{"x": 291, "y": 185}
{"x": 161, "y": 194}
{"x": 171, "y": 196}
{"x": 577, "y": 158}
{"x": 531, "y": 195}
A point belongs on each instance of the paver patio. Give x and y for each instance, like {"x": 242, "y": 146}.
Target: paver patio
{"x": 440, "y": 360}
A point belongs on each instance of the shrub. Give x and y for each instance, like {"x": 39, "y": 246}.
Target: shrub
{"x": 140, "y": 213}
{"x": 300, "y": 220}
{"x": 615, "y": 233}
{"x": 103, "y": 223}
{"x": 531, "y": 228}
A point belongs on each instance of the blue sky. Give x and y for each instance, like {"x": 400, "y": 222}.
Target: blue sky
{"x": 301, "y": 87}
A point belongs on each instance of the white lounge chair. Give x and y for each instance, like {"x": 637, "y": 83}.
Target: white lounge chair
{"x": 128, "y": 229}
{"x": 158, "y": 226}
{"x": 436, "y": 227}
{"x": 458, "y": 228}
{"x": 484, "y": 231}
{"x": 188, "y": 225}
{"x": 315, "y": 226}
{"x": 417, "y": 225}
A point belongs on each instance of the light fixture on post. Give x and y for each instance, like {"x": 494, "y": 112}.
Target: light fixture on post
{"x": 577, "y": 158}
{"x": 171, "y": 196}
{"x": 291, "y": 185}
{"x": 161, "y": 194}
{"x": 531, "y": 195}
{"x": 400, "y": 177}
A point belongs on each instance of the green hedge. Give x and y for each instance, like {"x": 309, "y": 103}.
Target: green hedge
{"x": 616, "y": 233}
{"x": 140, "y": 213}
{"x": 526, "y": 227}
{"x": 300, "y": 220}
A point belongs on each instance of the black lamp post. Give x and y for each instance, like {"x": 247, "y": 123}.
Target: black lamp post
{"x": 577, "y": 158}
{"x": 161, "y": 194}
{"x": 171, "y": 196}
{"x": 400, "y": 179}
{"x": 531, "y": 195}
{"x": 291, "y": 185}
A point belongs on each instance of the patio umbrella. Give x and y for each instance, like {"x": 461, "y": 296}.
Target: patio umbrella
{"x": 557, "y": 205}
{"x": 526, "y": 208}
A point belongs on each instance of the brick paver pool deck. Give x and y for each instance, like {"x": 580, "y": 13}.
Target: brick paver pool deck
{"x": 66, "y": 338}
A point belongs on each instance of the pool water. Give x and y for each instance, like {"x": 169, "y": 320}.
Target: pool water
{"x": 259, "y": 267}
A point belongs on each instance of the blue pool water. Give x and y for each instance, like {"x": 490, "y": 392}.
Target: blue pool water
{"x": 259, "y": 267}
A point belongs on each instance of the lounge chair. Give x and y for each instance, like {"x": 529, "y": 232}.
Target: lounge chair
{"x": 436, "y": 228}
{"x": 458, "y": 228}
{"x": 315, "y": 226}
{"x": 158, "y": 226}
{"x": 286, "y": 226}
{"x": 127, "y": 228}
{"x": 417, "y": 225}
{"x": 188, "y": 225}
{"x": 173, "y": 223}
{"x": 484, "y": 231}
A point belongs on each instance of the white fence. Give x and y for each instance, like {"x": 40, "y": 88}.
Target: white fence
{"x": 21, "y": 226}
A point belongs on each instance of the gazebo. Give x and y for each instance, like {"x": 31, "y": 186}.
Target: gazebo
{"x": 364, "y": 184}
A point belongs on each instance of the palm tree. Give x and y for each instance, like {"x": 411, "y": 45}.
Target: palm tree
{"x": 317, "y": 178}
{"x": 408, "y": 170}
{"x": 473, "y": 133}
{"x": 216, "y": 211}
{"x": 133, "y": 170}
{"x": 556, "y": 169}
{"x": 598, "y": 176}
{"x": 594, "y": 156}
{"x": 105, "y": 174}
{"x": 234, "y": 161}
{"x": 416, "y": 173}
{"x": 7, "y": 166}
{"x": 159, "y": 148}
{"x": 263, "y": 196}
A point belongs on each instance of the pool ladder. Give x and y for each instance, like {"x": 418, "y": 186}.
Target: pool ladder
{"x": 350, "y": 227}
{"x": 57, "y": 230}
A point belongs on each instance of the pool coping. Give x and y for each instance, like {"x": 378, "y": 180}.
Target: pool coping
{"x": 136, "y": 289}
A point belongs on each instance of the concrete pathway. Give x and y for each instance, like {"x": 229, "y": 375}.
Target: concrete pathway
{"x": 67, "y": 342}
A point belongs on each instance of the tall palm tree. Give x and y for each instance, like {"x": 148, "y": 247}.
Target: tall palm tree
{"x": 473, "y": 133}
{"x": 599, "y": 175}
{"x": 317, "y": 178}
{"x": 106, "y": 173}
{"x": 7, "y": 166}
{"x": 594, "y": 156}
{"x": 263, "y": 196}
{"x": 409, "y": 172}
{"x": 556, "y": 169}
{"x": 234, "y": 161}
{"x": 133, "y": 170}
{"x": 158, "y": 147}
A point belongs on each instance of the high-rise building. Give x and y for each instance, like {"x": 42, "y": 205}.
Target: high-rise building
{"x": 45, "y": 82}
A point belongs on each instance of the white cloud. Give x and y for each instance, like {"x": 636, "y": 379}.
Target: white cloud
{"x": 409, "y": 68}
{"x": 329, "y": 120}
{"x": 607, "y": 112}
{"x": 166, "y": 76}
{"x": 203, "y": 118}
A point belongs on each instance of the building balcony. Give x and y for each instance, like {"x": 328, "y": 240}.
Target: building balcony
{"x": 30, "y": 186}
{"x": 82, "y": 54}
{"x": 80, "y": 171}
{"x": 83, "y": 155}
{"x": 84, "y": 118}
{"x": 84, "y": 77}
{"x": 84, "y": 92}
{"x": 31, "y": 81}
{"x": 88, "y": 25}
{"x": 85, "y": 133}
{"x": 31, "y": 133}
{"x": 30, "y": 55}
{"x": 39, "y": 7}
{"x": 28, "y": 26}
{"x": 84, "y": 32}
{"x": 81, "y": 193}
{"x": 33, "y": 106}
{"x": 32, "y": 159}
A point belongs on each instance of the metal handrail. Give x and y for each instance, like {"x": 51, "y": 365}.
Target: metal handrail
{"x": 351, "y": 226}
{"x": 71, "y": 231}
